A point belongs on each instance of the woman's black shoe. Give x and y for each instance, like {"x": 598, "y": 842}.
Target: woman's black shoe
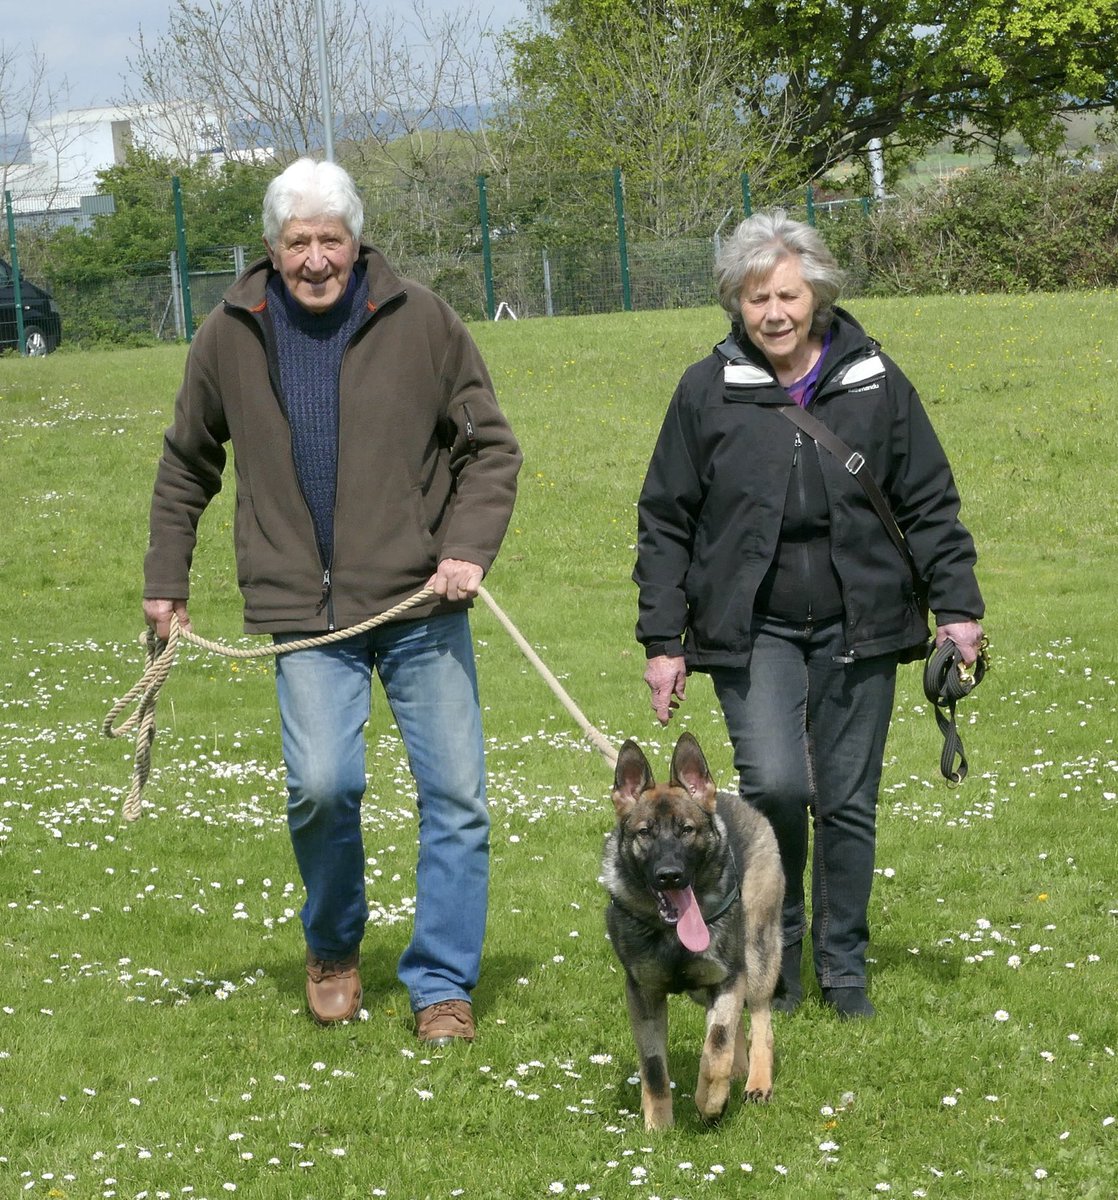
{"x": 849, "y": 1002}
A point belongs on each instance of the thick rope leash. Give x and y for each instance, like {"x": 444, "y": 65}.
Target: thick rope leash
{"x": 947, "y": 680}
{"x": 599, "y": 739}
{"x": 160, "y": 660}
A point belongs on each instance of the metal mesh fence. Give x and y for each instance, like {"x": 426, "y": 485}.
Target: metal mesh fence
{"x": 142, "y": 302}
{"x": 560, "y": 245}
{"x": 490, "y": 247}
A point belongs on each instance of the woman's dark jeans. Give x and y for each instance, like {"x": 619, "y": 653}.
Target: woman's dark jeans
{"x": 808, "y": 732}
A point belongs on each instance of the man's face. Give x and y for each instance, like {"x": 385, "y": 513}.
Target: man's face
{"x": 315, "y": 258}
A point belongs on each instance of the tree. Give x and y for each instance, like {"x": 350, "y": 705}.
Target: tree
{"x": 31, "y": 146}
{"x": 399, "y": 84}
{"x": 221, "y": 208}
{"x": 250, "y": 66}
{"x": 908, "y": 72}
{"x": 657, "y": 90}
{"x": 912, "y": 72}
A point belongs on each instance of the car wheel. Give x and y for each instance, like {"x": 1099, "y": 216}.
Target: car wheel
{"x": 35, "y": 341}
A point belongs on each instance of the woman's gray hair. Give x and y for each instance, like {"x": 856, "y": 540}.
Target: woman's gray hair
{"x": 758, "y": 244}
{"x": 308, "y": 189}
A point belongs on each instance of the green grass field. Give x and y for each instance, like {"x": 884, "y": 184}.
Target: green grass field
{"x": 153, "y": 1038}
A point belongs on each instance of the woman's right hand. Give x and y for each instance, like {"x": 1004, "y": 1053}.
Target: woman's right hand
{"x": 666, "y": 676}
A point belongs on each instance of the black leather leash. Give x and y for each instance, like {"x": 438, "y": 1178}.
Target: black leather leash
{"x": 947, "y": 680}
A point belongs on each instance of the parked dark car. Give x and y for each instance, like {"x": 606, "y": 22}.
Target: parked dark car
{"x": 42, "y": 324}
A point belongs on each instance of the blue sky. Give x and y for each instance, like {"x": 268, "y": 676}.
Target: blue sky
{"x": 90, "y": 43}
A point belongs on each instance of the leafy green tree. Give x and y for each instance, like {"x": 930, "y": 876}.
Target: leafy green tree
{"x": 839, "y": 74}
{"x": 656, "y": 89}
{"x": 912, "y": 72}
{"x": 221, "y": 208}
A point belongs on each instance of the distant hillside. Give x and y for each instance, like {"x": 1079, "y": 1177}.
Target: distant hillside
{"x": 251, "y": 135}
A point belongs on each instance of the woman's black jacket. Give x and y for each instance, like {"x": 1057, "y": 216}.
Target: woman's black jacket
{"x": 711, "y": 507}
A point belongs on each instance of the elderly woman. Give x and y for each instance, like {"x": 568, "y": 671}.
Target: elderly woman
{"x": 761, "y": 561}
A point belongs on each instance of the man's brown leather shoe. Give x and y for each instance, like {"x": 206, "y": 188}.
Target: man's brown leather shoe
{"x": 333, "y": 987}
{"x": 445, "y": 1022}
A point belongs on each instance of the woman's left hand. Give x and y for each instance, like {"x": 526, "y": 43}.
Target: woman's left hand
{"x": 967, "y": 635}
{"x": 666, "y": 676}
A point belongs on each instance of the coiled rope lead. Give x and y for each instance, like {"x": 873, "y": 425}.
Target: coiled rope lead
{"x": 160, "y": 660}
{"x": 947, "y": 680}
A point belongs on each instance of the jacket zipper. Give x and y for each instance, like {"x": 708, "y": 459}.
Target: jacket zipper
{"x": 846, "y": 656}
{"x": 327, "y": 601}
{"x": 805, "y": 557}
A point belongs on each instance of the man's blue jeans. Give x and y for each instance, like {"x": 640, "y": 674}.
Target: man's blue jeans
{"x": 427, "y": 670}
{"x": 808, "y": 733}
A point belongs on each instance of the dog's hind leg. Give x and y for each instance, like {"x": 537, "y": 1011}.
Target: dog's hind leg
{"x": 762, "y": 971}
{"x": 763, "y": 954}
{"x": 721, "y": 1051}
{"x": 648, "y": 1016}
{"x": 759, "y": 1082}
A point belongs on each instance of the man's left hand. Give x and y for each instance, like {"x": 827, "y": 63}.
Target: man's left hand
{"x": 456, "y": 579}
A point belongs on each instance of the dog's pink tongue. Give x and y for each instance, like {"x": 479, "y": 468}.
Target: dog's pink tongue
{"x": 692, "y": 929}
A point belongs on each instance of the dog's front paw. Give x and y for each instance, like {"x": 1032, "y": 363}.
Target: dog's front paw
{"x": 658, "y": 1117}
{"x": 712, "y": 1097}
{"x": 758, "y": 1095}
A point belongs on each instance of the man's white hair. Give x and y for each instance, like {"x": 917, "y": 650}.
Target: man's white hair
{"x": 308, "y": 189}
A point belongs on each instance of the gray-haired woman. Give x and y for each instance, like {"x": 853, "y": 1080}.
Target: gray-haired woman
{"x": 761, "y": 561}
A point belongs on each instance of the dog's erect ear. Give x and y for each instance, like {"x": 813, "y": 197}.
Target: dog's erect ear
{"x": 690, "y": 770}
{"x": 631, "y": 776}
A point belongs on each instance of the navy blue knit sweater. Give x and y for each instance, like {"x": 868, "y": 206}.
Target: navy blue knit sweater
{"x": 310, "y": 347}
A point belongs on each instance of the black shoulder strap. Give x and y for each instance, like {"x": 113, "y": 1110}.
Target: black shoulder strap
{"x": 855, "y": 463}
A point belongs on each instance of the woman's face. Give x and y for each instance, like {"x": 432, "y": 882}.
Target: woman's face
{"x": 777, "y": 311}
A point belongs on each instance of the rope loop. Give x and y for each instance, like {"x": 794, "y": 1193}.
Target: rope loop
{"x": 160, "y": 658}
{"x": 947, "y": 680}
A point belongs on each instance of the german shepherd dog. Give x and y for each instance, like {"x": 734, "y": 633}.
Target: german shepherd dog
{"x": 696, "y": 888}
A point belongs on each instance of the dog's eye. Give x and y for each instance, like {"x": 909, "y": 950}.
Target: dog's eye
{"x": 644, "y": 831}
{"x": 687, "y": 830}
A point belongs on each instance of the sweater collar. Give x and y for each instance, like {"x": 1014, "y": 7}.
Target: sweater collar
{"x": 249, "y": 289}
{"x": 323, "y": 323}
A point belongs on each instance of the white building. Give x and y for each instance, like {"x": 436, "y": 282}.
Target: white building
{"x": 68, "y": 150}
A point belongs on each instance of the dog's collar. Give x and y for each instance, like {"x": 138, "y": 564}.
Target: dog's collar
{"x": 724, "y": 907}
{"x": 731, "y": 895}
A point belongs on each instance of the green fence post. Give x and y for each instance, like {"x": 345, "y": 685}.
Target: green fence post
{"x": 486, "y": 252}
{"x": 809, "y": 197}
{"x": 865, "y": 206}
{"x": 184, "y": 269}
{"x": 13, "y": 256}
{"x": 622, "y": 244}
{"x": 746, "y": 198}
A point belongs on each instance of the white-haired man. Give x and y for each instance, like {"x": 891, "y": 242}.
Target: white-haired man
{"x": 371, "y": 460}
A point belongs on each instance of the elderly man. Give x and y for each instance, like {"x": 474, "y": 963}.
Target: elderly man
{"x": 371, "y": 461}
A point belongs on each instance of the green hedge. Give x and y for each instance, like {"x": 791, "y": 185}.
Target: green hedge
{"x": 1036, "y": 227}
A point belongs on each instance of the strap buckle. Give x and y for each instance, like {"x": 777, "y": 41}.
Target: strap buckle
{"x": 854, "y": 463}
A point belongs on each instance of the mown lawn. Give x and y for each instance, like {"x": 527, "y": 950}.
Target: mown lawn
{"x": 153, "y": 1039}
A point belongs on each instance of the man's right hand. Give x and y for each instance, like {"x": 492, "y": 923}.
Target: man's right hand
{"x": 157, "y": 613}
{"x": 666, "y": 676}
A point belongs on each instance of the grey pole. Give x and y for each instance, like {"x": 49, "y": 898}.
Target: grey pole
{"x": 324, "y": 85}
